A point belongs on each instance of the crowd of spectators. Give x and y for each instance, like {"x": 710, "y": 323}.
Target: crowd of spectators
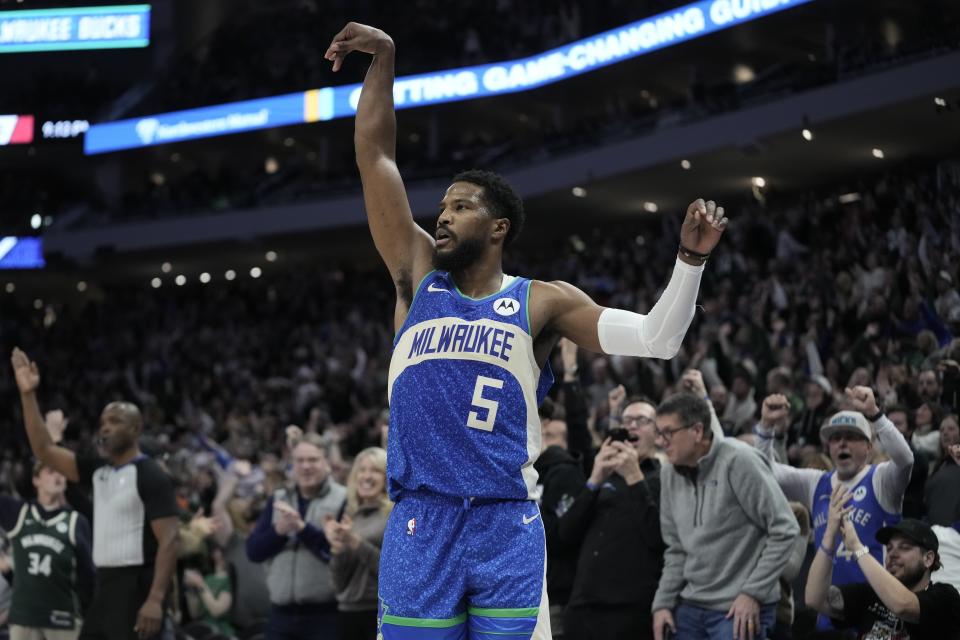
{"x": 241, "y": 59}
{"x": 440, "y": 137}
{"x": 806, "y": 296}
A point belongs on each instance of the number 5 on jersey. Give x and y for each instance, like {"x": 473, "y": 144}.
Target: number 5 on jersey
{"x": 481, "y": 403}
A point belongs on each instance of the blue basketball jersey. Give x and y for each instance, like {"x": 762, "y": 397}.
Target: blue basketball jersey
{"x": 867, "y": 516}
{"x": 464, "y": 388}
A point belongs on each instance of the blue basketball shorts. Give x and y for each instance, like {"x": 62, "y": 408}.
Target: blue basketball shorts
{"x": 452, "y": 569}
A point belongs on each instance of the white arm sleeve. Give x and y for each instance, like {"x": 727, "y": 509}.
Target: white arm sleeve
{"x": 892, "y": 477}
{"x": 659, "y": 333}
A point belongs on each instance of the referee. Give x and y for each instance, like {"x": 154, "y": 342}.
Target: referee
{"x": 135, "y": 525}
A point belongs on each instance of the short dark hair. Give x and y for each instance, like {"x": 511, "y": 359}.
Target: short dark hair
{"x": 546, "y": 409}
{"x": 499, "y": 197}
{"x": 690, "y": 408}
{"x": 634, "y": 399}
{"x": 902, "y": 408}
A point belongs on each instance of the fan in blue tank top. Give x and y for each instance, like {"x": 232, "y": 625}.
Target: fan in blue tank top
{"x": 463, "y": 553}
{"x": 877, "y": 489}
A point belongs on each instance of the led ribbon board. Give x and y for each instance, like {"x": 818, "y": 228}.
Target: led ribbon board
{"x": 16, "y": 130}
{"x": 109, "y": 27}
{"x": 21, "y": 253}
{"x": 466, "y": 83}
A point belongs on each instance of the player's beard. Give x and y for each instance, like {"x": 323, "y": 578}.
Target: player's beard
{"x": 913, "y": 575}
{"x": 465, "y": 254}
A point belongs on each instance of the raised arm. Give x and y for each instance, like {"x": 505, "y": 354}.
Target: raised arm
{"x": 53, "y": 456}
{"x": 406, "y": 249}
{"x": 227, "y": 482}
{"x": 564, "y": 309}
{"x": 892, "y": 476}
{"x": 798, "y": 485}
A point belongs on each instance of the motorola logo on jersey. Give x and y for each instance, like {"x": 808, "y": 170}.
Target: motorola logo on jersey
{"x": 860, "y": 493}
{"x": 506, "y": 306}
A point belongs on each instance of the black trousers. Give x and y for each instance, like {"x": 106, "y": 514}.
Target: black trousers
{"x": 608, "y": 622}
{"x": 117, "y": 598}
{"x": 358, "y": 625}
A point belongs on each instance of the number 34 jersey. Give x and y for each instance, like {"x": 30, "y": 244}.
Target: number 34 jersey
{"x": 464, "y": 389}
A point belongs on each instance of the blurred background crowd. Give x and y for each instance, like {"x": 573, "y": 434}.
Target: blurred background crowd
{"x": 839, "y": 268}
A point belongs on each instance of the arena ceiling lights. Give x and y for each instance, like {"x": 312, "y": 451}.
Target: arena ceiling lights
{"x": 466, "y": 83}
{"x": 108, "y": 27}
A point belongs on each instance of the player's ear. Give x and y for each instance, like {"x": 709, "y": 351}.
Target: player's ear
{"x": 501, "y": 227}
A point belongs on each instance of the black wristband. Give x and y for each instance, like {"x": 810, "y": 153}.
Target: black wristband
{"x": 694, "y": 255}
{"x": 875, "y": 417}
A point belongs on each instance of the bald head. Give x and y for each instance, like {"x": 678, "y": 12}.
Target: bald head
{"x": 127, "y": 411}
{"x": 120, "y": 426}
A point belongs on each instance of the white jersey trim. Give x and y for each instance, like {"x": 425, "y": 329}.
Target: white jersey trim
{"x": 521, "y": 363}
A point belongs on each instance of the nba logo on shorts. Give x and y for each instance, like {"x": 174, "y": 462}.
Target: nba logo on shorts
{"x": 411, "y": 526}
{"x": 860, "y": 493}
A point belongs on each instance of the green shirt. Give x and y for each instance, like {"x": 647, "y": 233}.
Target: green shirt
{"x": 217, "y": 583}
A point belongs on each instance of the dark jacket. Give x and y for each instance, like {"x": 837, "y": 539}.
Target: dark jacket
{"x": 617, "y": 530}
{"x": 942, "y": 494}
{"x": 913, "y": 506}
{"x": 562, "y": 479}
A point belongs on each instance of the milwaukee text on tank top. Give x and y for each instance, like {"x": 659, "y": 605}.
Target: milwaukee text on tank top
{"x": 464, "y": 388}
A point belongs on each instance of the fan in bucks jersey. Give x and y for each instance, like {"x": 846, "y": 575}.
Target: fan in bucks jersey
{"x": 52, "y": 560}
{"x": 463, "y": 552}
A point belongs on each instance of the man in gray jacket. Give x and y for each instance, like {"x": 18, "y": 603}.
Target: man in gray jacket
{"x": 727, "y": 527}
{"x": 289, "y": 540}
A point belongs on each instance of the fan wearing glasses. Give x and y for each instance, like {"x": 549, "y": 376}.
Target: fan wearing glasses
{"x": 727, "y": 527}
{"x": 614, "y": 521}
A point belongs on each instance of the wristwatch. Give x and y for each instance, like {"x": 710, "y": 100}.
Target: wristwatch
{"x": 859, "y": 553}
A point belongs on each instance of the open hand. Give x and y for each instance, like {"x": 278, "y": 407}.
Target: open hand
{"x": 745, "y": 612}
{"x": 839, "y": 498}
{"x": 568, "y": 354}
{"x": 56, "y": 424}
{"x": 288, "y": 519}
{"x": 25, "y": 371}
{"x": 202, "y": 525}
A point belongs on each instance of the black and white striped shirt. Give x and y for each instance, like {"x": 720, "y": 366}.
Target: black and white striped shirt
{"x": 126, "y": 499}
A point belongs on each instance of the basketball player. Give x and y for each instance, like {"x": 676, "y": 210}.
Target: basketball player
{"x": 52, "y": 561}
{"x": 135, "y": 528}
{"x": 463, "y": 552}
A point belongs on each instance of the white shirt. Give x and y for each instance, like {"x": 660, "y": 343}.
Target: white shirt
{"x": 949, "y": 539}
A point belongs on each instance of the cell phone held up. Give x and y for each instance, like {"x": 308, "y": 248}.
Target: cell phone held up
{"x": 619, "y": 434}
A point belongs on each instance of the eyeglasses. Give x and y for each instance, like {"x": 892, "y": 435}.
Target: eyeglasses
{"x": 639, "y": 421}
{"x": 667, "y": 435}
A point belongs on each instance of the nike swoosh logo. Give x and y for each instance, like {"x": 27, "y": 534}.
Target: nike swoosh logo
{"x": 432, "y": 288}
{"x": 527, "y": 520}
